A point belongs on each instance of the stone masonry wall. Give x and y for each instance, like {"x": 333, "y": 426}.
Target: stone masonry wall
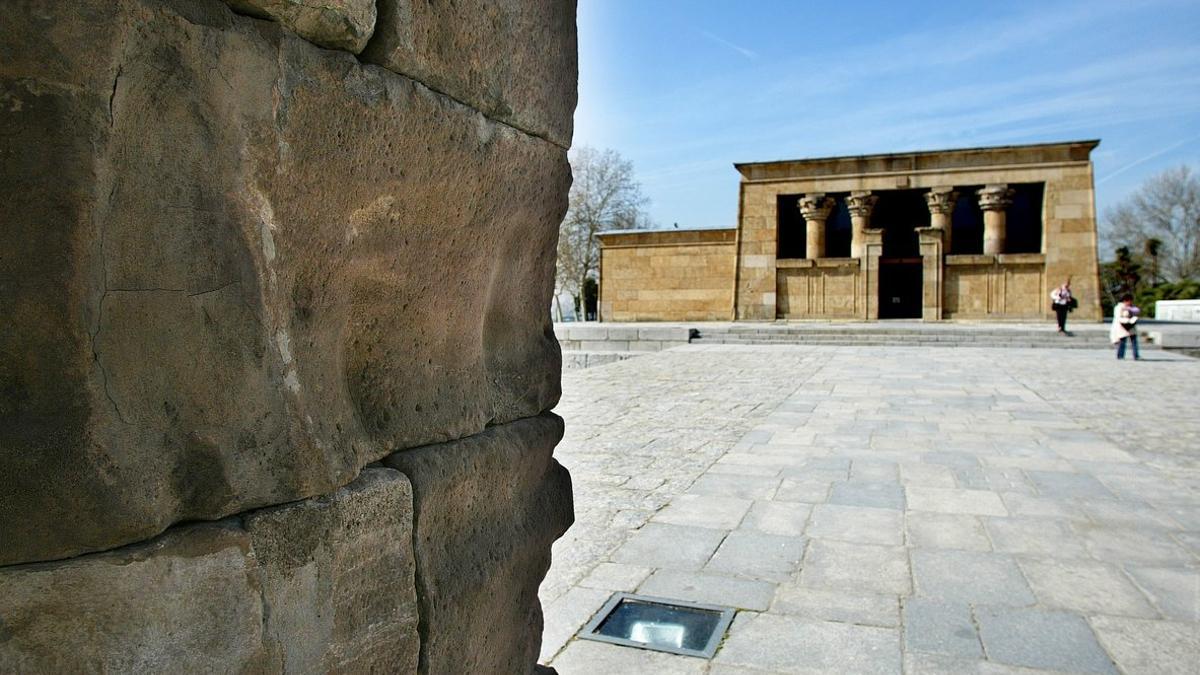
{"x": 242, "y": 264}
{"x": 667, "y": 276}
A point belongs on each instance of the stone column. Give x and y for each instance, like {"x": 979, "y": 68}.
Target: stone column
{"x": 932, "y": 271}
{"x": 941, "y": 207}
{"x": 860, "y": 205}
{"x": 872, "y": 250}
{"x": 994, "y": 199}
{"x": 815, "y": 208}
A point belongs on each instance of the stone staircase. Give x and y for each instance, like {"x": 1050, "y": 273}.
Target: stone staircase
{"x": 926, "y": 335}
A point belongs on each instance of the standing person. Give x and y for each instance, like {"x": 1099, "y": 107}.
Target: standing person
{"x": 1124, "y": 326}
{"x": 1062, "y": 302}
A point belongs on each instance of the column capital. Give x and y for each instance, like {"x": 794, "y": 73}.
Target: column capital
{"x": 940, "y": 200}
{"x": 995, "y": 197}
{"x": 861, "y": 203}
{"x": 816, "y": 206}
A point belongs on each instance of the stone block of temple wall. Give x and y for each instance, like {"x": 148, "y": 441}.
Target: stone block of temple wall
{"x": 349, "y": 556}
{"x": 240, "y": 269}
{"x": 336, "y": 24}
{"x": 668, "y": 275}
{"x": 320, "y": 585}
{"x": 513, "y": 60}
{"x": 1069, "y": 231}
{"x": 229, "y": 284}
{"x": 487, "y": 509}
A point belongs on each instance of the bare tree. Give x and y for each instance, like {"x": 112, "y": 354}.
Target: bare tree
{"x": 1163, "y": 219}
{"x": 604, "y": 196}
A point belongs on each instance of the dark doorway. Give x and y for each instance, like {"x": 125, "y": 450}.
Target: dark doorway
{"x": 900, "y": 288}
{"x": 900, "y": 213}
{"x": 790, "y": 241}
{"x": 1024, "y": 231}
{"x": 966, "y": 223}
{"x": 837, "y": 228}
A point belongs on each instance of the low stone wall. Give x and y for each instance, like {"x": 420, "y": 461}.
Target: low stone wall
{"x": 1177, "y": 310}
{"x": 1008, "y": 287}
{"x": 825, "y": 288}
{"x": 668, "y": 275}
{"x": 225, "y": 299}
{"x": 587, "y": 345}
{"x": 606, "y": 337}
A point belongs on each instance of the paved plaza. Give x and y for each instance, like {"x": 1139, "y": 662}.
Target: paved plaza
{"x": 887, "y": 509}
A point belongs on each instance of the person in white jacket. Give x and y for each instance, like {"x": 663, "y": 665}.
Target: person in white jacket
{"x": 1124, "y": 326}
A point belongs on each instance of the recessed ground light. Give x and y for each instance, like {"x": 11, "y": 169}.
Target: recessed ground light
{"x": 662, "y": 625}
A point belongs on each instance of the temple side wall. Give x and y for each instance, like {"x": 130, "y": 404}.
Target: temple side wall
{"x": 246, "y": 422}
{"x": 667, "y": 276}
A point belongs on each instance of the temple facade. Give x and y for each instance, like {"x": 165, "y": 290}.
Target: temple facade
{"x": 970, "y": 234}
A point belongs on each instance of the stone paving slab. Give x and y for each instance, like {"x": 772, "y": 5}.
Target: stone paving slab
{"x": 878, "y": 509}
{"x": 937, "y": 627}
{"x": 837, "y": 605}
{"x": 709, "y": 588}
{"x": 1041, "y": 639}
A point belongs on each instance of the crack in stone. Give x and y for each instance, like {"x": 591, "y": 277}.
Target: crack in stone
{"x": 100, "y": 364}
{"x": 112, "y": 97}
{"x": 214, "y": 290}
{"x": 100, "y": 322}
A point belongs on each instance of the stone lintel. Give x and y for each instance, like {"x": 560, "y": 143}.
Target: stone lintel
{"x": 970, "y": 259}
{"x": 793, "y": 263}
{"x": 925, "y": 161}
{"x": 929, "y": 232}
{"x": 1021, "y": 258}
{"x": 836, "y": 262}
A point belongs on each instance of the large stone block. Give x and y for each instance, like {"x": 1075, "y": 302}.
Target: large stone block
{"x": 337, "y": 24}
{"x": 320, "y": 585}
{"x": 338, "y": 578}
{"x": 487, "y": 510}
{"x": 239, "y": 267}
{"x": 513, "y": 59}
{"x": 187, "y": 602}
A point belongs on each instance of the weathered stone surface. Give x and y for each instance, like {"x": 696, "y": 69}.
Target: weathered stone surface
{"x": 320, "y": 585}
{"x": 338, "y": 578}
{"x": 188, "y": 601}
{"x": 487, "y": 510}
{"x": 240, "y": 267}
{"x": 337, "y": 24}
{"x": 467, "y": 49}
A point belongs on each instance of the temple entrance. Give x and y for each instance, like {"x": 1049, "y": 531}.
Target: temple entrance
{"x": 900, "y": 213}
{"x": 900, "y": 288}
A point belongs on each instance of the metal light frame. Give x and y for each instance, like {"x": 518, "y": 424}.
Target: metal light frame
{"x": 725, "y": 617}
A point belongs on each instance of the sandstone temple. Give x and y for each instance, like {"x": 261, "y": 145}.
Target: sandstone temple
{"x": 970, "y": 234}
{"x": 276, "y": 361}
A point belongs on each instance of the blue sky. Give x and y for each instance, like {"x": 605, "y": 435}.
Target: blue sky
{"x": 685, "y": 88}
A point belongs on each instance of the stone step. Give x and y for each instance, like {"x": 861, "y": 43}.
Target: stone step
{"x": 876, "y": 340}
{"x": 894, "y": 331}
{"x": 903, "y": 336}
